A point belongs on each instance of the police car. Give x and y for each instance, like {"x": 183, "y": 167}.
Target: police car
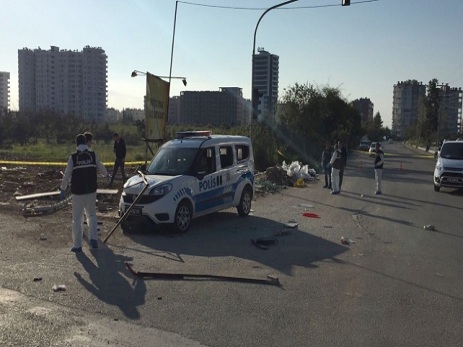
{"x": 193, "y": 175}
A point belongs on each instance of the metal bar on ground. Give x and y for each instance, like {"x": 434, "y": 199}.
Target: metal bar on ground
{"x": 270, "y": 280}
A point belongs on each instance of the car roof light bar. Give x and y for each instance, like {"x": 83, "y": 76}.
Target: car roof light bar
{"x": 194, "y": 133}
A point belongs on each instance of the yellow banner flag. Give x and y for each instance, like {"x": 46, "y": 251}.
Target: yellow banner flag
{"x": 156, "y": 107}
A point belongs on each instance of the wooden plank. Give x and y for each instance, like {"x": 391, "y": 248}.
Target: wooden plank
{"x": 36, "y": 196}
{"x": 107, "y": 191}
{"x": 57, "y": 192}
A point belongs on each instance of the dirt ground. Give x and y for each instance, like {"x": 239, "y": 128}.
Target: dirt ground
{"x": 17, "y": 180}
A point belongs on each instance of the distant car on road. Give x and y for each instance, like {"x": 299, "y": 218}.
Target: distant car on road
{"x": 364, "y": 145}
{"x": 372, "y": 150}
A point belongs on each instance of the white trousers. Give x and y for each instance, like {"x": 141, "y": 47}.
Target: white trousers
{"x": 378, "y": 175}
{"x": 335, "y": 179}
{"x": 80, "y": 204}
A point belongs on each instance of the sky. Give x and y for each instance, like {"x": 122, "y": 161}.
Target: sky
{"x": 362, "y": 49}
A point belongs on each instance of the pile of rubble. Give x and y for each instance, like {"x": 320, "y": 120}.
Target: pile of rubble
{"x": 280, "y": 177}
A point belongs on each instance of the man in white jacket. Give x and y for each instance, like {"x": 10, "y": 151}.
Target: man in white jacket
{"x": 81, "y": 170}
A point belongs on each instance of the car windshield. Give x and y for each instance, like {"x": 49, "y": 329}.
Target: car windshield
{"x": 172, "y": 161}
{"x": 452, "y": 151}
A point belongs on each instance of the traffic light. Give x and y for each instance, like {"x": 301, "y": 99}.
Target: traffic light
{"x": 345, "y": 2}
{"x": 256, "y": 101}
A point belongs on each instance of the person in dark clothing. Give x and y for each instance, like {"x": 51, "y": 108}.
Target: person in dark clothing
{"x": 379, "y": 162}
{"x": 82, "y": 170}
{"x": 120, "y": 152}
{"x": 343, "y": 162}
{"x": 326, "y": 157}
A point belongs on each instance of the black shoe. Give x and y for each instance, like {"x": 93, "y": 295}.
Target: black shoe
{"x": 94, "y": 244}
{"x": 325, "y": 186}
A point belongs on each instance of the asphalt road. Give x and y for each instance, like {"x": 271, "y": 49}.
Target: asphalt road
{"x": 397, "y": 285}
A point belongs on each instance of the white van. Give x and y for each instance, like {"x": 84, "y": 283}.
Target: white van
{"x": 449, "y": 166}
{"x": 196, "y": 174}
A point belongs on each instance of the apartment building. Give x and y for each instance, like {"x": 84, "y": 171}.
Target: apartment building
{"x": 407, "y": 105}
{"x": 265, "y": 79}
{"x": 450, "y": 110}
{"x": 4, "y": 92}
{"x": 224, "y": 107}
{"x": 365, "y": 108}
{"x": 64, "y": 81}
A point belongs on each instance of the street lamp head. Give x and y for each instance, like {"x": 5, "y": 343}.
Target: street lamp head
{"x": 184, "y": 81}
{"x": 134, "y": 74}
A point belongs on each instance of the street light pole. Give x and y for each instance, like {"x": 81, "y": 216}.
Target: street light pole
{"x": 173, "y": 41}
{"x": 254, "y": 53}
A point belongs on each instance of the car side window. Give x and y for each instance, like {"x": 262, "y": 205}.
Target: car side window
{"x": 206, "y": 161}
{"x": 242, "y": 153}
{"x": 226, "y": 156}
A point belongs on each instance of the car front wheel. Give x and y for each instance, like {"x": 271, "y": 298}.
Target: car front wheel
{"x": 183, "y": 216}
{"x": 436, "y": 188}
{"x": 245, "y": 202}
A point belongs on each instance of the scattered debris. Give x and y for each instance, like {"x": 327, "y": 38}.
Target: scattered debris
{"x": 37, "y": 279}
{"x": 311, "y": 215}
{"x": 299, "y": 183}
{"x": 306, "y": 205}
{"x": 59, "y": 288}
{"x": 264, "y": 242}
{"x": 346, "y": 241}
{"x": 42, "y": 237}
{"x": 429, "y": 227}
{"x": 276, "y": 178}
{"x": 291, "y": 224}
{"x": 32, "y": 210}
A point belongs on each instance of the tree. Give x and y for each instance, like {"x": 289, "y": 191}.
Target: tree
{"x": 311, "y": 115}
{"x": 432, "y": 102}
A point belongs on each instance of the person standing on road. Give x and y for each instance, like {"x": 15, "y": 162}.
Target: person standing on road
{"x": 343, "y": 162}
{"x": 326, "y": 157}
{"x": 120, "y": 152}
{"x": 82, "y": 170}
{"x": 336, "y": 164}
{"x": 379, "y": 162}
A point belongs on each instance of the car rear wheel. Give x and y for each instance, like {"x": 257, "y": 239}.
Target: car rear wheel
{"x": 183, "y": 216}
{"x": 245, "y": 202}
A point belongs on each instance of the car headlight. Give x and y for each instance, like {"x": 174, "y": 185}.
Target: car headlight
{"x": 161, "y": 190}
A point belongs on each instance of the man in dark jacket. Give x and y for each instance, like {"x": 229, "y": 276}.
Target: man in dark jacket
{"x": 81, "y": 170}
{"x": 379, "y": 162}
{"x": 343, "y": 162}
{"x": 119, "y": 151}
{"x": 326, "y": 157}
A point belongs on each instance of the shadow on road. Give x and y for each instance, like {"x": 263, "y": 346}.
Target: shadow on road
{"x": 107, "y": 283}
{"x": 224, "y": 234}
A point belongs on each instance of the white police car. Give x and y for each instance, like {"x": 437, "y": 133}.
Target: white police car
{"x": 449, "y": 166}
{"x": 193, "y": 175}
